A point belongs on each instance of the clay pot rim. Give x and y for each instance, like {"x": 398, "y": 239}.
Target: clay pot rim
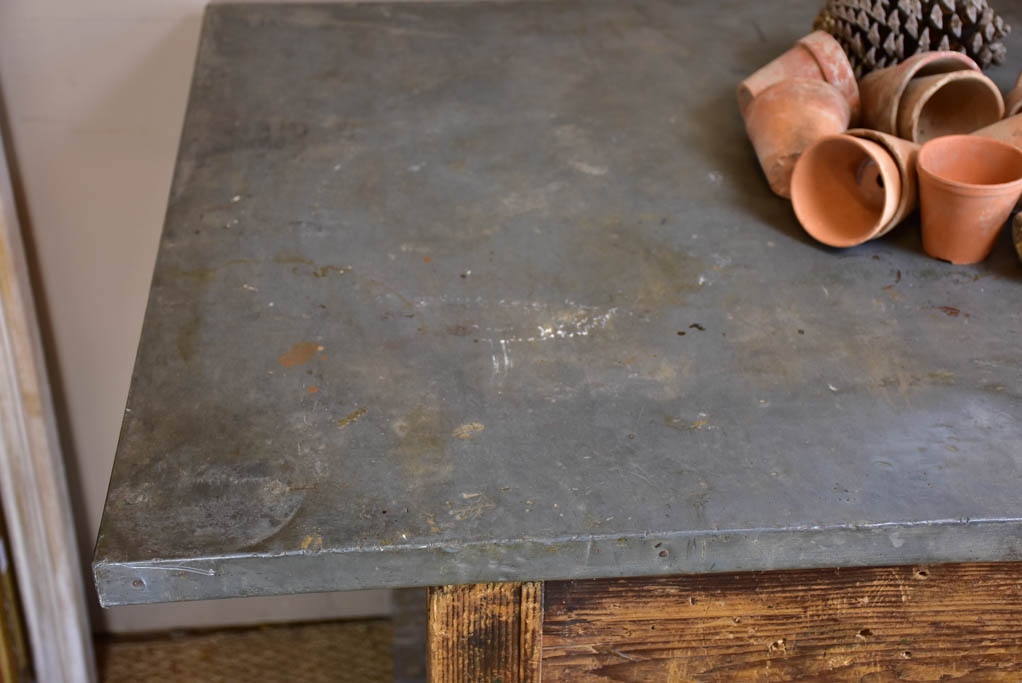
{"x": 838, "y": 72}
{"x": 906, "y": 161}
{"x": 943, "y": 80}
{"x": 912, "y": 69}
{"x": 877, "y": 137}
{"x": 891, "y": 200}
{"x": 957, "y": 186}
{"x": 745, "y": 91}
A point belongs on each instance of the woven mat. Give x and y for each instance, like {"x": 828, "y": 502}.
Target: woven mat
{"x": 338, "y": 652}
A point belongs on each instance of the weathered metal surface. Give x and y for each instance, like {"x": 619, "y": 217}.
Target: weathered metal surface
{"x": 465, "y": 293}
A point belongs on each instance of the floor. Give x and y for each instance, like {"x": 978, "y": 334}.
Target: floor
{"x": 335, "y": 652}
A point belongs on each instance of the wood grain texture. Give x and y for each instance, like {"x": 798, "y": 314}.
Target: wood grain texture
{"x": 33, "y": 487}
{"x": 485, "y": 633}
{"x": 943, "y": 622}
{"x": 14, "y": 660}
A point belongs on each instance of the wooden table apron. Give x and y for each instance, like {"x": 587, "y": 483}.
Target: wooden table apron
{"x": 920, "y": 623}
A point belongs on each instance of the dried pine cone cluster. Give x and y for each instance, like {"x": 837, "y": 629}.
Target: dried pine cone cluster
{"x": 884, "y": 32}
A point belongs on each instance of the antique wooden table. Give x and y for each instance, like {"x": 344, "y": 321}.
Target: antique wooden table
{"x": 460, "y": 294}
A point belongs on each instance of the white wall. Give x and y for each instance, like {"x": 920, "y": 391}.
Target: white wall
{"x": 95, "y": 94}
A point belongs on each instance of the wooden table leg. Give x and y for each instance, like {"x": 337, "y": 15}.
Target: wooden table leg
{"x": 485, "y": 633}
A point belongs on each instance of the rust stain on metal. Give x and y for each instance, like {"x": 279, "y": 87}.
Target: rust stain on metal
{"x": 423, "y": 435}
{"x": 299, "y": 354}
{"x": 207, "y": 274}
{"x": 285, "y": 256}
{"x": 469, "y": 430}
{"x": 312, "y": 543}
{"x": 353, "y": 416}
{"x": 293, "y": 257}
{"x": 187, "y": 337}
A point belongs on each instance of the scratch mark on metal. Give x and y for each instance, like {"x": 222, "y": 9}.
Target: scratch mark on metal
{"x": 507, "y": 356}
{"x": 173, "y": 567}
{"x": 493, "y": 357}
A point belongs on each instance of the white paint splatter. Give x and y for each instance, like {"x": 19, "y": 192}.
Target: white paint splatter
{"x": 588, "y": 169}
{"x": 578, "y": 325}
{"x": 416, "y": 248}
{"x": 536, "y": 198}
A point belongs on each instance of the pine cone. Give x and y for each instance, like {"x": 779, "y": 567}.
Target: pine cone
{"x": 881, "y": 33}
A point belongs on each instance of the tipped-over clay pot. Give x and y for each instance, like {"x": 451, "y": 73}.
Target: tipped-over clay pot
{"x": 955, "y": 103}
{"x": 786, "y": 118}
{"x": 1013, "y": 102}
{"x": 881, "y": 91}
{"x": 1006, "y": 130}
{"x": 815, "y": 56}
{"x": 846, "y": 190}
{"x": 968, "y": 186}
{"x": 904, "y": 154}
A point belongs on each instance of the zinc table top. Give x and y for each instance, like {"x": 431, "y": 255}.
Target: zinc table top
{"x": 454, "y": 293}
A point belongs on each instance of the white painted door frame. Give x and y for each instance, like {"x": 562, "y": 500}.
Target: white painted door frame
{"x": 33, "y": 485}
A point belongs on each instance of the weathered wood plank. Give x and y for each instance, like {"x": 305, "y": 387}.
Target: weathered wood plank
{"x": 861, "y": 624}
{"x": 485, "y": 633}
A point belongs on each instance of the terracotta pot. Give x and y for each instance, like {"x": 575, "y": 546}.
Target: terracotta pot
{"x": 786, "y": 118}
{"x": 904, "y": 154}
{"x": 968, "y": 186}
{"x": 1006, "y": 130}
{"x": 1013, "y": 102}
{"x": 954, "y": 103}
{"x": 881, "y": 90}
{"x": 846, "y": 190}
{"x": 1016, "y": 235}
{"x": 817, "y": 56}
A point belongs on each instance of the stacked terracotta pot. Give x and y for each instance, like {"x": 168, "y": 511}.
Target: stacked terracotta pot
{"x": 933, "y": 136}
